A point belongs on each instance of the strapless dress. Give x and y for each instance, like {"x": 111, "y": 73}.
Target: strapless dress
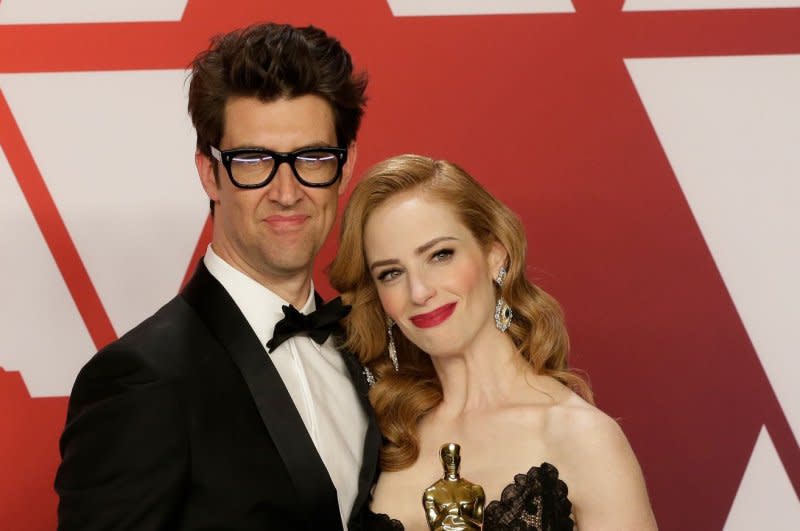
{"x": 535, "y": 501}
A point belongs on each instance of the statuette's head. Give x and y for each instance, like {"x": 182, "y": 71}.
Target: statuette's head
{"x": 451, "y": 459}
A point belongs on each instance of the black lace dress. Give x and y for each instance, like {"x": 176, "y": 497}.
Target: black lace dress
{"x": 536, "y": 501}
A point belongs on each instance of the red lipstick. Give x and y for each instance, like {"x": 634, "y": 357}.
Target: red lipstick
{"x": 435, "y": 317}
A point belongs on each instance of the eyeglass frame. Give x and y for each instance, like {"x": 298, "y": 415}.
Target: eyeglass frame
{"x": 226, "y": 157}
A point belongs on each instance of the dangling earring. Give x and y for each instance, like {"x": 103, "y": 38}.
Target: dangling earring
{"x": 392, "y": 348}
{"x": 369, "y": 376}
{"x": 502, "y": 311}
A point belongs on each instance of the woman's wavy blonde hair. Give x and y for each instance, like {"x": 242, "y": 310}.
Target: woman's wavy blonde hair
{"x": 402, "y": 398}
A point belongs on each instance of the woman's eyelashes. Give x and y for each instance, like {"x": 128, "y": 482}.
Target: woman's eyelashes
{"x": 388, "y": 275}
{"x": 442, "y": 255}
{"x": 438, "y": 256}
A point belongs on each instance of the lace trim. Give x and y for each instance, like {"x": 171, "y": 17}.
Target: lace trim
{"x": 536, "y": 501}
{"x": 382, "y": 522}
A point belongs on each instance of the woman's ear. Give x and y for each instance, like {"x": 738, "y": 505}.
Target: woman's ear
{"x": 497, "y": 258}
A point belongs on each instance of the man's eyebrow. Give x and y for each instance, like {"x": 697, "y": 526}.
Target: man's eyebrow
{"x": 255, "y": 146}
{"x": 419, "y": 250}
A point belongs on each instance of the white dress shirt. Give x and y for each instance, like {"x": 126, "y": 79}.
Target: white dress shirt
{"x": 315, "y": 375}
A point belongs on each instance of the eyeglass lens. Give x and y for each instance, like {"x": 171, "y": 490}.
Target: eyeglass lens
{"x": 315, "y": 167}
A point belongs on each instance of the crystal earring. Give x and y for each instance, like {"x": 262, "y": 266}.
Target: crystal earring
{"x": 502, "y": 311}
{"x": 392, "y": 348}
{"x": 369, "y": 376}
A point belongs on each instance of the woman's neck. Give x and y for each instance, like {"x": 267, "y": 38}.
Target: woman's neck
{"x": 483, "y": 377}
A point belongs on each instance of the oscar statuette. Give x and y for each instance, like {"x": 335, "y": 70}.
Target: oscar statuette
{"x": 453, "y": 503}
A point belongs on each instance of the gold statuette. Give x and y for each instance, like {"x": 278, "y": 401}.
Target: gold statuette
{"x": 453, "y": 503}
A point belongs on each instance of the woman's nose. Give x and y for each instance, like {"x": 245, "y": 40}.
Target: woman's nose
{"x": 421, "y": 289}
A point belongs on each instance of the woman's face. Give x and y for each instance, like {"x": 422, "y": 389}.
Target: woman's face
{"x": 433, "y": 278}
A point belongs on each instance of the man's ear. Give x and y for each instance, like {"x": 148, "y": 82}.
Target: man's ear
{"x": 349, "y": 166}
{"x": 208, "y": 178}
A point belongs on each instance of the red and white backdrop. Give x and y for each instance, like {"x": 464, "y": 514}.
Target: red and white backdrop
{"x": 652, "y": 148}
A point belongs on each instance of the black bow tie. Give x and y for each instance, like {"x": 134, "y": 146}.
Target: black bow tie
{"x": 318, "y": 324}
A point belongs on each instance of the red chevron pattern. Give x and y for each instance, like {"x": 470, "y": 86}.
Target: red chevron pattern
{"x": 538, "y": 106}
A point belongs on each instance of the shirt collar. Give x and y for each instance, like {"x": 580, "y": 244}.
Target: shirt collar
{"x": 260, "y": 306}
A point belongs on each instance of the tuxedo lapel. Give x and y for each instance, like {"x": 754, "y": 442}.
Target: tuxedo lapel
{"x": 372, "y": 441}
{"x": 277, "y": 410}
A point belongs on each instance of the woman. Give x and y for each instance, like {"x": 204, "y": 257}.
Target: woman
{"x": 460, "y": 347}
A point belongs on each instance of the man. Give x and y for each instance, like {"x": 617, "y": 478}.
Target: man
{"x": 201, "y": 417}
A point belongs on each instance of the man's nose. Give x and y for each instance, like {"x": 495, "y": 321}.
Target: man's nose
{"x": 284, "y": 188}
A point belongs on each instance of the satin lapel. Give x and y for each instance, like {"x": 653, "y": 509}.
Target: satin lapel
{"x": 278, "y": 412}
{"x": 372, "y": 442}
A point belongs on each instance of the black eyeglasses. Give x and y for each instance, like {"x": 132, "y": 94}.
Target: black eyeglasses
{"x": 316, "y": 167}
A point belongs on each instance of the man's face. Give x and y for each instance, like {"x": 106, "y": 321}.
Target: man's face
{"x": 273, "y": 233}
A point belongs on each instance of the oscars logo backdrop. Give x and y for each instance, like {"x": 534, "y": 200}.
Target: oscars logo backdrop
{"x": 650, "y": 147}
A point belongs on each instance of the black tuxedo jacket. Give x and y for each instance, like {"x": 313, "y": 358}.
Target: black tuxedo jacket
{"x": 184, "y": 423}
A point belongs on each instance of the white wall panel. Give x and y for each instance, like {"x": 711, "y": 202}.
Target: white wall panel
{"x": 75, "y": 11}
{"x": 116, "y": 150}
{"x": 42, "y": 334}
{"x": 405, "y": 8}
{"x": 730, "y": 127}
{"x": 766, "y": 498}
{"x": 663, "y": 5}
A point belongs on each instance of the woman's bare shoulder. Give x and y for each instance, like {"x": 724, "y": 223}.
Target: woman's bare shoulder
{"x": 579, "y": 419}
{"x": 599, "y": 465}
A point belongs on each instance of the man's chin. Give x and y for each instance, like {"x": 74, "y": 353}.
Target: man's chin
{"x": 289, "y": 263}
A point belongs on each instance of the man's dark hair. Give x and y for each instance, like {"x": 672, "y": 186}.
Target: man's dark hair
{"x": 272, "y": 61}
